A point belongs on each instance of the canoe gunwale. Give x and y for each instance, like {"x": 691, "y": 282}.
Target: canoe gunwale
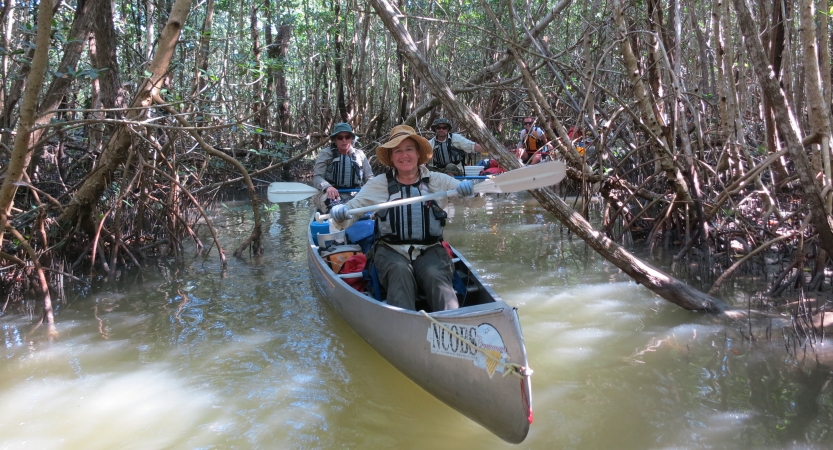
{"x": 404, "y": 339}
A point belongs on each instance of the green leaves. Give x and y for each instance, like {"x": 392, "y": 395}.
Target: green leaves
{"x": 88, "y": 72}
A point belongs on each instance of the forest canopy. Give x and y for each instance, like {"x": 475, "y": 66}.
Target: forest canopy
{"x": 702, "y": 128}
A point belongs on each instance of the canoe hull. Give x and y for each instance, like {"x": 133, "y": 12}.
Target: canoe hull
{"x": 433, "y": 356}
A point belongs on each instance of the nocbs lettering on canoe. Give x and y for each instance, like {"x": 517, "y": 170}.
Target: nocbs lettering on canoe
{"x": 484, "y": 336}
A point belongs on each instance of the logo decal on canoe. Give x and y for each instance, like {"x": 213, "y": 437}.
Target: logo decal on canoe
{"x": 484, "y": 336}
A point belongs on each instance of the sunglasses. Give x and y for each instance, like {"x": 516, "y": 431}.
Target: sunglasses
{"x": 527, "y": 123}
{"x": 442, "y": 128}
{"x": 343, "y": 137}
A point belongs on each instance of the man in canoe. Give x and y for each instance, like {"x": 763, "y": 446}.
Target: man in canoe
{"x": 339, "y": 166}
{"x": 533, "y": 142}
{"x": 449, "y": 148}
{"x": 408, "y": 251}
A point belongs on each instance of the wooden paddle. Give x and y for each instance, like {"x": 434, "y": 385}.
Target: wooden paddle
{"x": 525, "y": 178}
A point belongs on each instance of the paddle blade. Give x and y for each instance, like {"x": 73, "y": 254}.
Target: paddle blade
{"x": 289, "y": 192}
{"x": 529, "y": 177}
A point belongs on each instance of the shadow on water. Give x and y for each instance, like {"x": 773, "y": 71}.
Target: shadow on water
{"x": 189, "y": 355}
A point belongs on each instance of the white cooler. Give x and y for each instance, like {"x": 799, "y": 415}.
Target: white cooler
{"x": 473, "y": 171}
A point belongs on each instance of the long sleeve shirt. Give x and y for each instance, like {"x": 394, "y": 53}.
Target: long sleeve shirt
{"x": 325, "y": 157}
{"x": 457, "y": 141}
{"x": 376, "y": 191}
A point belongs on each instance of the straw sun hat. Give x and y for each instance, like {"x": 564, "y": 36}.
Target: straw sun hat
{"x": 398, "y": 134}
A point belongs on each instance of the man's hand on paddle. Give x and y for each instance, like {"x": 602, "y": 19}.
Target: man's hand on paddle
{"x": 332, "y": 193}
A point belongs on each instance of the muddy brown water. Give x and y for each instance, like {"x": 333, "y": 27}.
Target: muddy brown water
{"x": 187, "y": 355}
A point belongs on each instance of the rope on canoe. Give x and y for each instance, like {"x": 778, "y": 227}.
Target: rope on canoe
{"x": 513, "y": 368}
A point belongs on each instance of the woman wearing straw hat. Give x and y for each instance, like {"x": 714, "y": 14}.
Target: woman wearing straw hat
{"x": 408, "y": 252}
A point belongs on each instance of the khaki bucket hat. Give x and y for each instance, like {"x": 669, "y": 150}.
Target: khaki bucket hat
{"x": 398, "y": 134}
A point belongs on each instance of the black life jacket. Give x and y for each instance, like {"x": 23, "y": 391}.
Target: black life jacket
{"x": 446, "y": 153}
{"x": 344, "y": 171}
{"x": 417, "y": 223}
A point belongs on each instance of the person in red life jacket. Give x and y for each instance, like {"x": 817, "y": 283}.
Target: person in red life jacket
{"x": 408, "y": 251}
{"x": 575, "y": 133}
{"x": 339, "y": 166}
{"x": 493, "y": 169}
{"x": 533, "y": 143}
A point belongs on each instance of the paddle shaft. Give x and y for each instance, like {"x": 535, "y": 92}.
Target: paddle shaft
{"x": 404, "y": 201}
{"x": 530, "y": 177}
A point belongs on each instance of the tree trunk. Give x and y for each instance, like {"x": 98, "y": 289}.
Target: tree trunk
{"x": 653, "y": 123}
{"x": 281, "y": 89}
{"x": 150, "y": 29}
{"x": 20, "y": 150}
{"x": 816, "y": 86}
{"x": 787, "y": 125}
{"x": 201, "y": 61}
{"x": 666, "y": 286}
{"x": 258, "y": 105}
{"x": 78, "y": 34}
{"x": 705, "y": 87}
{"x": 338, "y": 64}
{"x": 117, "y": 149}
{"x": 8, "y": 24}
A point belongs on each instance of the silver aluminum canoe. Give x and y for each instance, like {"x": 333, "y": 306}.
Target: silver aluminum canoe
{"x": 436, "y": 360}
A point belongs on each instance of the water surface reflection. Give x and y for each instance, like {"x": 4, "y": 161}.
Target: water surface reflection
{"x": 191, "y": 356}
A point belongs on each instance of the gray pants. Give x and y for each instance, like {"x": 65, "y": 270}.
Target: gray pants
{"x": 431, "y": 272}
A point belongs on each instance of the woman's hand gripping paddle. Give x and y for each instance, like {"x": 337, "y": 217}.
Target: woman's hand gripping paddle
{"x": 525, "y": 178}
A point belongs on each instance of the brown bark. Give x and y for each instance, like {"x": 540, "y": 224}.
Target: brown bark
{"x": 284, "y": 124}
{"x": 705, "y": 87}
{"x": 8, "y": 23}
{"x": 201, "y": 63}
{"x": 338, "y": 64}
{"x": 21, "y": 151}
{"x": 653, "y": 66}
{"x": 492, "y": 70}
{"x": 662, "y": 284}
{"x": 653, "y": 122}
{"x": 254, "y": 239}
{"x": 539, "y": 102}
{"x": 259, "y": 112}
{"x": 117, "y": 149}
{"x": 277, "y": 51}
{"x": 111, "y": 93}
{"x": 57, "y": 89}
{"x": 817, "y": 113}
{"x": 776, "y": 58}
{"x": 818, "y": 107}
{"x": 787, "y": 125}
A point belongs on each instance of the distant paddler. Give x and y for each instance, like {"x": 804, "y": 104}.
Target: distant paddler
{"x": 533, "y": 142}
{"x": 408, "y": 252}
{"x": 450, "y": 149}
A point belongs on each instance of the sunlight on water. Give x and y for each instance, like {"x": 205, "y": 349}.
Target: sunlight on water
{"x": 102, "y": 411}
{"x": 193, "y": 356}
